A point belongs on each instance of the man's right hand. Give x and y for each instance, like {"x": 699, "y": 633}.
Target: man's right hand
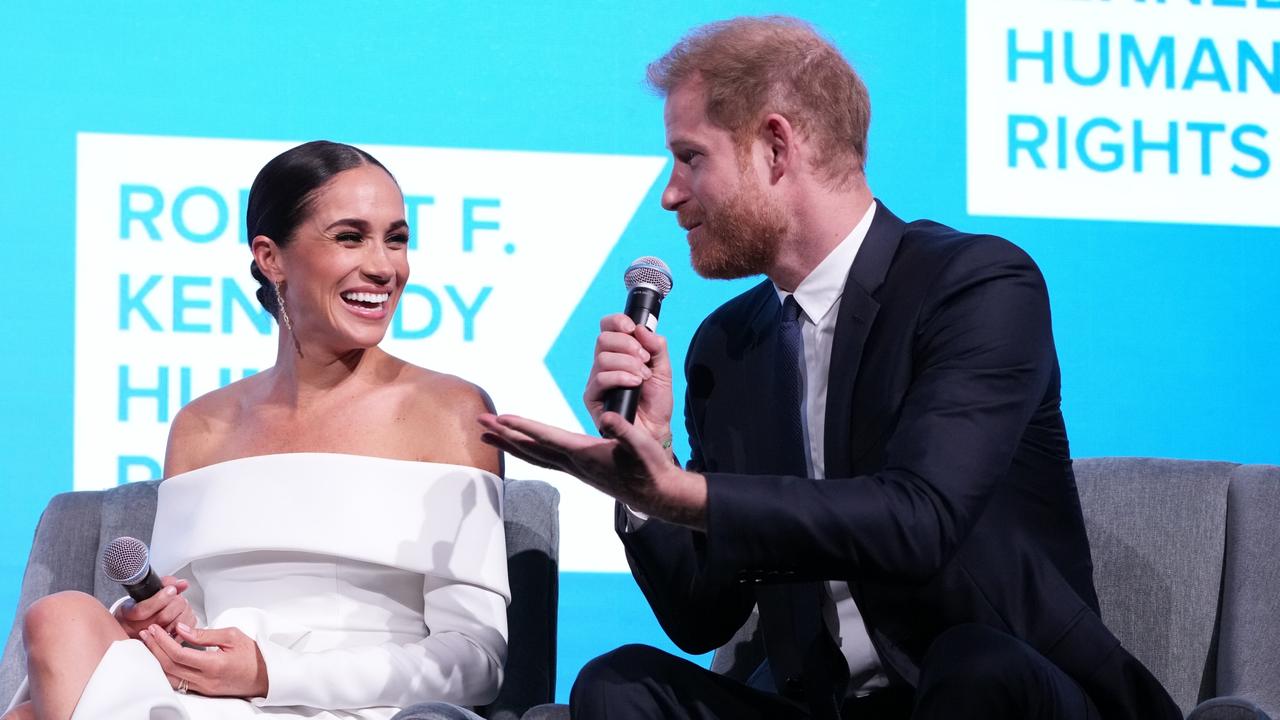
{"x": 631, "y": 356}
{"x": 166, "y": 608}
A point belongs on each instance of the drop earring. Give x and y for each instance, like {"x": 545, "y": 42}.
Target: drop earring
{"x": 284, "y": 318}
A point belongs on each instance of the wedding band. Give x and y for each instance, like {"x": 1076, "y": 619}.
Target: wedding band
{"x": 182, "y": 686}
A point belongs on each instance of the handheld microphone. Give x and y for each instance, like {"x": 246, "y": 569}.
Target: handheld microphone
{"x": 127, "y": 561}
{"x": 648, "y": 281}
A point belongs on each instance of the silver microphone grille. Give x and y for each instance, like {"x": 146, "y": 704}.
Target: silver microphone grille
{"x": 126, "y": 560}
{"x": 648, "y": 271}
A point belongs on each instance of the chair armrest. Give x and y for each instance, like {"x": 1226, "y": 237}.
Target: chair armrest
{"x": 531, "y": 519}
{"x": 1227, "y": 708}
{"x": 64, "y": 554}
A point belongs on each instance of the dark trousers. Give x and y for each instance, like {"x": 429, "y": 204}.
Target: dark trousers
{"x": 971, "y": 671}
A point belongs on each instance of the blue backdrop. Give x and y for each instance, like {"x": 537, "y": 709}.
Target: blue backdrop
{"x": 1166, "y": 332}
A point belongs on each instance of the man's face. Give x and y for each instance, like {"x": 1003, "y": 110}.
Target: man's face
{"x": 734, "y": 225}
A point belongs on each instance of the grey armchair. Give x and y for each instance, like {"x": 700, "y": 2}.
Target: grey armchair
{"x": 1186, "y": 561}
{"x": 75, "y": 526}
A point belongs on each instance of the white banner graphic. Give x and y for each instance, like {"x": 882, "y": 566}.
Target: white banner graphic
{"x": 1125, "y": 110}
{"x": 505, "y": 246}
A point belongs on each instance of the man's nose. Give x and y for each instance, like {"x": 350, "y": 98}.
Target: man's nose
{"x": 675, "y": 193}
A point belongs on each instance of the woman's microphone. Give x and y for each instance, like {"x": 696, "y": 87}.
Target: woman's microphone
{"x": 648, "y": 281}
{"x": 127, "y": 561}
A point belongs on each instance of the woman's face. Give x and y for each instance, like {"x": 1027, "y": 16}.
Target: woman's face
{"x": 347, "y": 263}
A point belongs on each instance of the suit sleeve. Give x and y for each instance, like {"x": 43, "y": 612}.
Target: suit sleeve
{"x": 460, "y": 661}
{"x": 699, "y": 607}
{"x": 983, "y": 359}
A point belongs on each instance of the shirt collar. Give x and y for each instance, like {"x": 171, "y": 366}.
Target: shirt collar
{"x": 822, "y": 288}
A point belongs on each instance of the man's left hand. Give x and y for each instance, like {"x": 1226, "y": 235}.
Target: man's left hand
{"x": 627, "y": 464}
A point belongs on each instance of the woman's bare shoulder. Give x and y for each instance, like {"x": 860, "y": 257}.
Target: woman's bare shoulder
{"x": 201, "y": 427}
{"x": 443, "y": 411}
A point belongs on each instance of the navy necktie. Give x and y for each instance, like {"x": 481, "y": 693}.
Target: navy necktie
{"x": 812, "y": 666}
{"x": 791, "y": 443}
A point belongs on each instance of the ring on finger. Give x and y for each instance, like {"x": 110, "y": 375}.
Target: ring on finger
{"x": 182, "y": 686}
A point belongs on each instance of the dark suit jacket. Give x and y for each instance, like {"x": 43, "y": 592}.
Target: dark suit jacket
{"x": 949, "y": 496}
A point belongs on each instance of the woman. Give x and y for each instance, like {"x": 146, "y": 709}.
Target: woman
{"x": 331, "y": 526}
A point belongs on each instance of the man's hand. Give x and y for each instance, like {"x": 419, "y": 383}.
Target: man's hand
{"x": 232, "y": 667}
{"x": 166, "y": 608}
{"x": 627, "y": 355}
{"x": 628, "y": 463}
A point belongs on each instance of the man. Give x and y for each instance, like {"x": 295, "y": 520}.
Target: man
{"x": 879, "y": 461}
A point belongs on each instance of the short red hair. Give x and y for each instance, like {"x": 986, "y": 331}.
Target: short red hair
{"x": 755, "y": 66}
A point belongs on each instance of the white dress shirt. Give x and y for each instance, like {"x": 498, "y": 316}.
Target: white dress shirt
{"x": 818, "y": 296}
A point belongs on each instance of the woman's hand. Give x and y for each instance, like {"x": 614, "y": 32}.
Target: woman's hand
{"x": 228, "y": 663}
{"x": 166, "y": 608}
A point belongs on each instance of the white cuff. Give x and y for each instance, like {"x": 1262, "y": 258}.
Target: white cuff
{"x": 635, "y": 518}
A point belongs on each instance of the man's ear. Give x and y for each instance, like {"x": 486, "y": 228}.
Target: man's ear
{"x": 267, "y": 254}
{"x": 779, "y": 138}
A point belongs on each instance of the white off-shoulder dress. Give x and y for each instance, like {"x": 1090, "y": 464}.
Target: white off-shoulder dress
{"x": 369, "y": 585}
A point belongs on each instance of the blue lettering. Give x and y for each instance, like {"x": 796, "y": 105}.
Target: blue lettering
{"x": 470, "y": 224}
{"x": 1253, "y": 151}
{"x": 1131, "y": 56}
{"x": 160, "y": 393}
{"x": 1044, "y": 56}
{"x": 1104, "y": 59}
{"x": 1206, "y": 131}
{"x": 243, "y": 223}
{"x": 468, "y": 312}
{"x": 126, "y": 463}
{"x": 137, "y": 302}
{"x": 1031, "y": 145}
{"x": 219, "y": 206}
{"x": 398, "y": 329}
{"x": 147, "y": 217}
{"x": 1249, "y": 56}
{"x": 224, "y": 376}
{"x": 1205, "y": 49}
{"x": 182, "y": 303}
{"x": 184, "y": 386}
{"x": 1141, "y": 145}
{"x": 1062, "y": 142}
{"x": 412, "y": 206}
{"x": 233, "y": 296}
{"x": 1116, "y": 150}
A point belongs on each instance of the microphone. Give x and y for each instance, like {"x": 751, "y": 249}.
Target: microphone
{"x": 127, "y": 561}
{"x": 648, "y": 281}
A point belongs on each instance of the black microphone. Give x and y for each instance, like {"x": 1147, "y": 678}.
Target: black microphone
{"x": 127, "y": 561}
{"x": 648, "y": 281}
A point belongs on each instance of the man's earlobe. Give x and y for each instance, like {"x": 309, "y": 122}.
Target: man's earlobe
{"x": 780, "y": 137}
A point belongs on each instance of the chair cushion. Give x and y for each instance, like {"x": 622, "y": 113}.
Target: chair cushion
{"x": 1157, "y": 531}
{"x": 1249, "y": 643}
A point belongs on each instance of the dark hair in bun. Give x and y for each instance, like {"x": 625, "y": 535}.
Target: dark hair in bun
{"x": 282, "y": 193}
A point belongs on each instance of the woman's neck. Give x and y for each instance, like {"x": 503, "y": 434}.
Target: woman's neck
{"x": 303, "y": 372}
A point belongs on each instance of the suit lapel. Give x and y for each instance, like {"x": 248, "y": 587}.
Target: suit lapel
{"x": 858, "y": 309}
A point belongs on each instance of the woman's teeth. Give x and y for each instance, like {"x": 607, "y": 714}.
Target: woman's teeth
{"x": 366, "y": 299}
{"x": 375, "y": 297}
